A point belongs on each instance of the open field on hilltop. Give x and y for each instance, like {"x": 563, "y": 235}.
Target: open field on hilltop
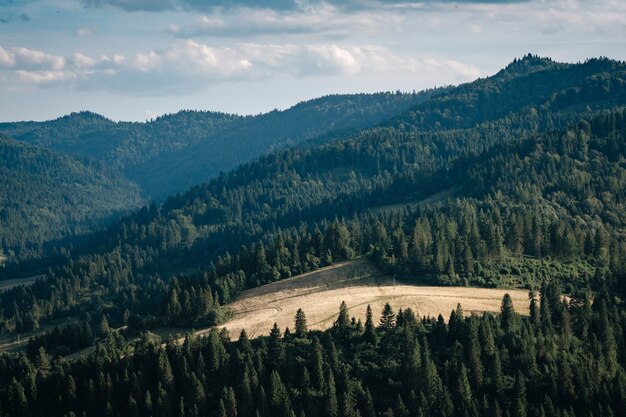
{"x": 10, "y": 283}
{"x": 358, "y": 283}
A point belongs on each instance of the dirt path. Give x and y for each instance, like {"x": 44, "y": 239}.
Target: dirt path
{"x": 435, "y": 198}
{"x": 10, "y": 283}
{"x": 13, "y": 343}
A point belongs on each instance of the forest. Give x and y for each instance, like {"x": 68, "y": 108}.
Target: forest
{"x": 529, "y": 166}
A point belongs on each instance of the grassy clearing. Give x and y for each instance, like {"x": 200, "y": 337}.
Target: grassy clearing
{"x": 357, "y": 283}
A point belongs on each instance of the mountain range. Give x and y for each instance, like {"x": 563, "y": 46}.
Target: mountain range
{"x": 117, "y": 230}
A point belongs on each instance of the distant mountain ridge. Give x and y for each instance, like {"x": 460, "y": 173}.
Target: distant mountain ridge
{"x": 176, "y": 151}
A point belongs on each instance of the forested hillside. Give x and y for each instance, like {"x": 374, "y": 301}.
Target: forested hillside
{"x": 566, "y": 360}
{"x": 517, "y": 180}
{"x": 46, "y": 196}
{"x": 174, "y": 152}
{"x": 556, "y": 195}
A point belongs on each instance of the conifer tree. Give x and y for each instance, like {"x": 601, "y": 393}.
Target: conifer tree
{"x": 387, "y": 319}
{"x": 300, "y": 324}
{"x": 370, "y": 330}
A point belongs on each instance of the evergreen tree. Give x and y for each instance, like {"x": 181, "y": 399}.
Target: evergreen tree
{"x": 387, "y": 319}
{"x": 370, "y": 330}
{"x": 300, "y": 324}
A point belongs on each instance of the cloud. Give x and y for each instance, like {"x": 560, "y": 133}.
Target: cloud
{"x": 134, "y": 5}
{"x": 312, "y": 18}
{"x": 83, "y": 32}
{"x": 29, "y": 59}
{"x": 281, "y": 5}
{"x": 189, "y": 65}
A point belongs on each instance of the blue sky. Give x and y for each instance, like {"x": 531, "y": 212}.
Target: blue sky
{"x": 135, "y": 59}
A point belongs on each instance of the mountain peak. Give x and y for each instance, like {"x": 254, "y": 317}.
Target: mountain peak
{"x": 529, "y": 63}
{"x": 84, "y": 115}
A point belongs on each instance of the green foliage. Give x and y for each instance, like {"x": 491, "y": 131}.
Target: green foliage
{"x": 47, "y": 196}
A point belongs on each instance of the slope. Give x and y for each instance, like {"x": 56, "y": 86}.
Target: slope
{"x": 359, "y": 284}
{"x": 297, "y": 210}
{"x": 46, "y": 195}
{"x": 176, "y": 151}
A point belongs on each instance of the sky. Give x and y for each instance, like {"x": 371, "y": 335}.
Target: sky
{"x": 138, "y": 59}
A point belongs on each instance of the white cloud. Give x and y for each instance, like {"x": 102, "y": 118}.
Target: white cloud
{"x": 174, "y": 29}
{"x": 189, "y": 65}
{"x": 83, "y": 32}
{"x": 7, "y": 59}
{"x": 30, "y": 60}
{"x": 83, "y": 61}
{"x": 43, "y": 77}
{"x": 210, "y": 22}
{"x": 475, "y": 29}
{"x": 146, "y": 61}
{"x": 320, "y": 18}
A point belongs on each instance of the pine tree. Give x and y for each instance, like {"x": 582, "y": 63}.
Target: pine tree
{"x": 387, "y": 319}
{"x": 495, "y": 373}
{"x": 317, "y": 369}
{"x": 18, "y": 404}
{"x": 343, "y": 320}
{"x": 400, "y": 409}
{"x": 370, "y": 330}
{"x": 229, "y": 401}
{"x": 276, "y": 350}
{"x": 475, "y": 362}
{"x": 300, "y": 324}
{"x": 464, "y": 402}
{"x": 330, "y": 396}
{"x": 104, "y": 326}
{"x": 508, "y": 317}
{"x": 519, "y": 391}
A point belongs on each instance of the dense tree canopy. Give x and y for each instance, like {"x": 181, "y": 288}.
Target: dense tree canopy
{"x": 517, "y": 180}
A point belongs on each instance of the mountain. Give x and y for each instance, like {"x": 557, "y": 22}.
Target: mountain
{"x": 529, "y": 208}
{"x": 46, "y": 195}
{"x": 176, "y": 151}
{"x": 514, "y": 181}
{"x": 513, "y": 189}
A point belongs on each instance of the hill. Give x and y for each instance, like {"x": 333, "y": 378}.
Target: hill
{"x": 176, "y": 151}
{"x": 515, "y": 181}
{"x": 530, "y": 206}
{"x": 359, "y": 284}
{"x": 46, "y": 196}
{"x": 436, "y": 127}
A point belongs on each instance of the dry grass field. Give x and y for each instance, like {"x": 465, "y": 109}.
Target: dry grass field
{"x": 357, "y": 283}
